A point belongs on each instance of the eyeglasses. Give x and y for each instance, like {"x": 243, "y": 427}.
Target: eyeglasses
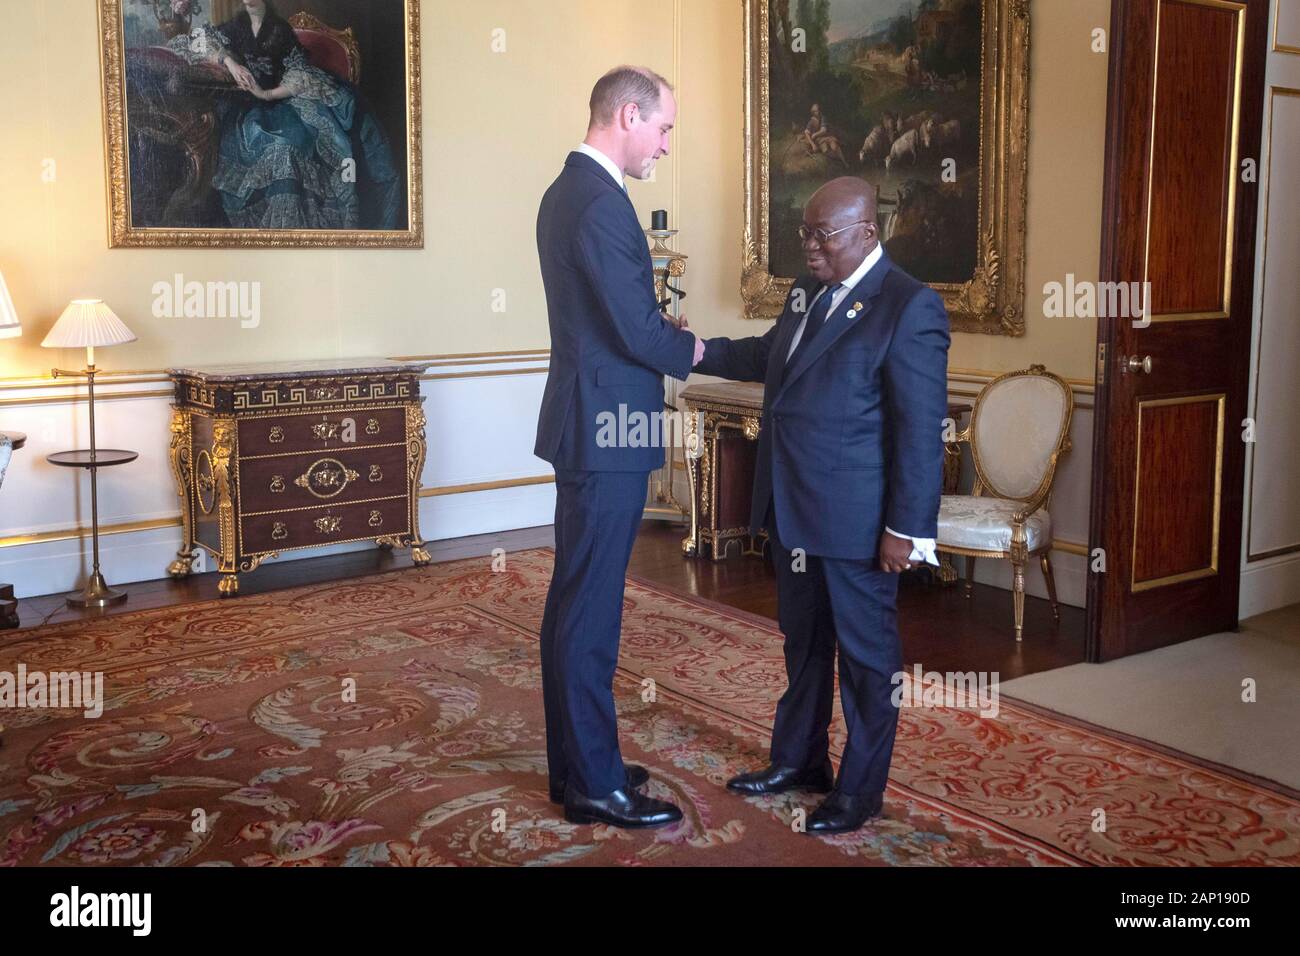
{"x": 822, "y": 236}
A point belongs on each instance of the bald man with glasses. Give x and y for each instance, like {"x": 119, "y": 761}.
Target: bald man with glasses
{"x": 847, "y": 485}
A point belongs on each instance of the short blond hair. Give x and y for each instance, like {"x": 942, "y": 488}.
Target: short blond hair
{"x": 623, "y": 85}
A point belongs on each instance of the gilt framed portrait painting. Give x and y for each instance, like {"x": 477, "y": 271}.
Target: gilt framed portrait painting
{"x": 236, "y": 123}
{"x": 927, "y": 100}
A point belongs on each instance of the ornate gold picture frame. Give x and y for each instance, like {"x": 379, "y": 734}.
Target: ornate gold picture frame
{"x": 190, "y": 164}
{"x": 988, "y": 295}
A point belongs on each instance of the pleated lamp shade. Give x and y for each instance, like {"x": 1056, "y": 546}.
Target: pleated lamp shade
{"x": 9, "y": 324}
{"x": 88, "y": 324}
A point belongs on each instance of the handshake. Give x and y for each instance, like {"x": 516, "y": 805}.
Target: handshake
{"x": 680, "y": 323}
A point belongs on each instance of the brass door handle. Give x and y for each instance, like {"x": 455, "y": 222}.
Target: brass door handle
{"x": 1136, "y": 365}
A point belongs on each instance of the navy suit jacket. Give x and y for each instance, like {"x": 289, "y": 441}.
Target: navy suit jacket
{"x": 610, "y": 346}
{"x": 852, "y": 432}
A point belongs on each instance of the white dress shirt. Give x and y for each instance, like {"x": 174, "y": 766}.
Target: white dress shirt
{"x": 610, "y": 166}
{"x": 922, "y": 548}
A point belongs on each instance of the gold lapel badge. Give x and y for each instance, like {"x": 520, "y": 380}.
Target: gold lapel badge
{"x": 853, "y": 312}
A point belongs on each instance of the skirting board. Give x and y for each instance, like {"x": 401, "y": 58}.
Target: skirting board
{"x": 1269, "y": 584}
{"x": 1069, "y": 570}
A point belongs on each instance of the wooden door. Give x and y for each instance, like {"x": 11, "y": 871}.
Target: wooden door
{"x": 1184, "y": 117}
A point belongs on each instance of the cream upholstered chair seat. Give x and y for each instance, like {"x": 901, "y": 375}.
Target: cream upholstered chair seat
{"x": 1018, "y": 431}
{"x": 984, "y": 524}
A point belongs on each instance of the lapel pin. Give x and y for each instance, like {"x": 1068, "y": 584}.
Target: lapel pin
{"x": 853, "y": 312}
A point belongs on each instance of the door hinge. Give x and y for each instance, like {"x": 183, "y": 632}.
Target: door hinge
{"x": 1101, "y": 363}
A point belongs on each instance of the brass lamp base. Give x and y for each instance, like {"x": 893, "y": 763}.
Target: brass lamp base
{"x": 96, "y": 593}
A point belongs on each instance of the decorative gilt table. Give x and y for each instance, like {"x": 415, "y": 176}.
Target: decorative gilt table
{"x": 284, "y": 456}
{"x": 721, "y": 448}
{"x": 723, "y": 422}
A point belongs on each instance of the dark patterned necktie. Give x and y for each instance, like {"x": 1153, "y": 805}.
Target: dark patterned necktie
{"x": 816, "y": 320}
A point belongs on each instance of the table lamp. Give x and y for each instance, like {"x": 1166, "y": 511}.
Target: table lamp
{"x": 90, "y": 324}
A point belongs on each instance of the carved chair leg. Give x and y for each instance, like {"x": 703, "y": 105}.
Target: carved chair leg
{"x": 970, "y": 575}
{"x": 1051, "y": 584}
{"x": 1018, "y": 597}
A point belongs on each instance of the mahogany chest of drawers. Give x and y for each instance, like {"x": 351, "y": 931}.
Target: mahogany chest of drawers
{"x": 283, "y": 456}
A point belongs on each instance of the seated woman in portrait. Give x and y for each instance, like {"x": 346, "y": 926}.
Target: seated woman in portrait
{"x": 299, "y": 149}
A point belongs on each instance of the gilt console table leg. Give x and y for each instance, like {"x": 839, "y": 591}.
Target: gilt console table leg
{"x": 182, "y": 460}
{"x": 691, "y": 543}
{"x": 416, "y": 449}
{"x": 223, "y": 449}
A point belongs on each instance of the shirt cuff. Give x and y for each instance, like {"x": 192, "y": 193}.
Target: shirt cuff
{"x": 699, "y": 351}
{"x": 922, "y": 548}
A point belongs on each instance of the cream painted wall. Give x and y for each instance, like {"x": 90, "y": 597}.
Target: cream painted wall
{"x": 496, "y": 129}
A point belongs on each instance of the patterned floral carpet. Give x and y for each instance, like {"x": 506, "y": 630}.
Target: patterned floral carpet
{"x": 226, "y": 740}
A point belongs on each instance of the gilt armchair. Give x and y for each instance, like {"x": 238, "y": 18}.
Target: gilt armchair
{"x": 1018, "y": 431}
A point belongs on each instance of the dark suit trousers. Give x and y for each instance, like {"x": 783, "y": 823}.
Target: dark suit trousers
{"x": 852, "y": 605}
{"x": 597, "y": 514}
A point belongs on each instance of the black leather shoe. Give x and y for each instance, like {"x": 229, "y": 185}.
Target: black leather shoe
{"x": 841, "y": 812}
{"x": 637, "y": 777}
{"x": 774, "y": 779}
{"x": 625, "y": 808}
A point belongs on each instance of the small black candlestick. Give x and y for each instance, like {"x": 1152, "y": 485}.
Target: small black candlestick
{"x": 659, "y": 220}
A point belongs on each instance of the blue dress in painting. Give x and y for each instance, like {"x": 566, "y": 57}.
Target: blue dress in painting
{"x": 317, "y": 159}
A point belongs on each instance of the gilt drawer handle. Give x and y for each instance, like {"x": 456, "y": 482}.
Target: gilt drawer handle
{"x": 277, "y": 435}
{"x": 277, "y": 485}
{"x": 325, "y": 430}
{"x": 376, "y": 519}
{"x": 329, "y": 524}
{"x": 279, "y": 532}
{"x": 372, "y": 427}
{"x": 323, "y": 392}
{"x": 326, "y": 478}
{"x": 376, "y": 474}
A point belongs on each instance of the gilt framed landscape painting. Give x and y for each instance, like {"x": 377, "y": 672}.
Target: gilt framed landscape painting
{"x": 238, "y": 123}
{"x": 927, "y": 100}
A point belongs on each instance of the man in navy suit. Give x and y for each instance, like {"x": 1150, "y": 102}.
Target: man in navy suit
{"x": 847, "y": 484}
{"x": 610, "y": 348}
